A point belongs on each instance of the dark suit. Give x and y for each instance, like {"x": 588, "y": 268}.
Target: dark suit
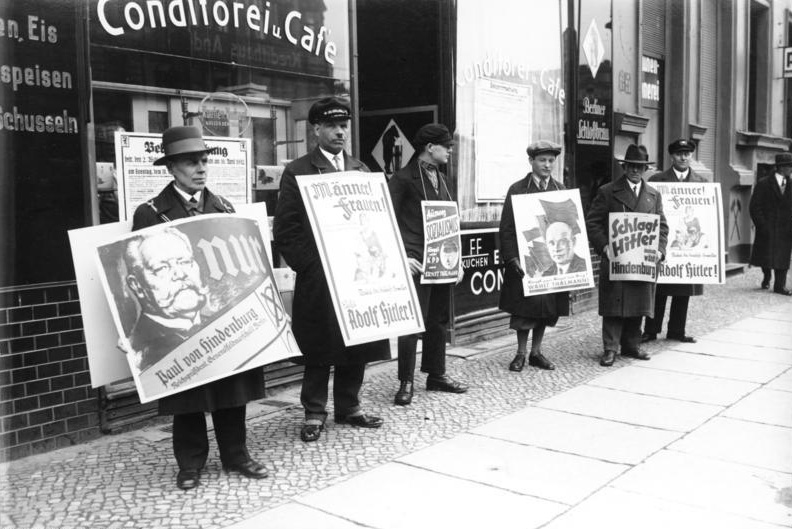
{"x": 577, "y": 264}
{"x": 225, "y": 399}
{"x": 153, "y": 340}
{"x": 680, "y": 294}
{"x": 771, "y": 213}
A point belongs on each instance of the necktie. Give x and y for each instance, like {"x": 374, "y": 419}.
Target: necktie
{"x": 635, "y": 189}
{"x": 192, "y": 207}
{"x": 337, "y": 162}
{"x": 783, "y": 185}
{"x": 543, "y": 184}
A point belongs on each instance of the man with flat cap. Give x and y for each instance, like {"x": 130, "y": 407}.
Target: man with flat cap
{"x": 186, "y": 159}
{"x": 680, "y": 172}
{"x": 771, "y": 212}
{"x": 314, "y": 321}
{"x": 532, "y": 313}
{"x": 622, "y": 304}
{"x": 421, "y": 179}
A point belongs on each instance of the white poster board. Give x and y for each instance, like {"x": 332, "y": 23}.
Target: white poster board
{"x": 634, "y": 239}
{"x": 442, "y": 242}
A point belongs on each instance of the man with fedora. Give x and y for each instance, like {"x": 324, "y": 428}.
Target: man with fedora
{"x": 622, "y": 304}
{"x": 186, "y": 159}
{"x": 681, "y": 152}
{"x": 535, "y": 313}
{"x": 421, "y": 179}
{"x": 314, "y": 322}
{"x": 771, "y": 212}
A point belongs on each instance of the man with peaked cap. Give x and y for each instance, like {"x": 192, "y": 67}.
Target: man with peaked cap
{"x": 314, "y": 321}
{"x": 771, "y": 212}
{"x": 421, "y": 179}
{"x": 186, "y": 159}
{"x": 622, "y": 304}
{"x": 681, "y": 152}
{"x": 532, "y": 313}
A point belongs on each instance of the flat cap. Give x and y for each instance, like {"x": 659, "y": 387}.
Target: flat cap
{"x": 784, "y": 158}
{"x": 329, "y": 109}
{"x": 543, "y": 146}
{"x": 681, "y": 145}
{"x": 433, "y": 133}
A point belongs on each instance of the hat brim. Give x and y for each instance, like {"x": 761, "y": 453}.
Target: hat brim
{"x": 168, "y": 157}
{"x": 555, "y": 152}
{"x": 636, "y": 162}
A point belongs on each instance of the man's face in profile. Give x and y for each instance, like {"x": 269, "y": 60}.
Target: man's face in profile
{"x": 560, "y": 243}
{"x": 168, "y": 280}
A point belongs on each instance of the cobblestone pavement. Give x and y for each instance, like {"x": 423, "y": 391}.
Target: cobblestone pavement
{"x": 127, "y": 480}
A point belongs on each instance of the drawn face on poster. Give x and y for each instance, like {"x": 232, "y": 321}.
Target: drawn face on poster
{"x": 449, "y": 255}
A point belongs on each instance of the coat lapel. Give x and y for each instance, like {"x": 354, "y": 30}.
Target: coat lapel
{"x": 623, "y": 193}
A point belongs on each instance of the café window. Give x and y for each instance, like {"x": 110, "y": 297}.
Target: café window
{"x": 247, "y": 72}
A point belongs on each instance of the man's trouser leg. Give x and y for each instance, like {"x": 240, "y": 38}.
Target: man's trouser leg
{"x": 433, "y": 355}
{"x": 313, "y": 395}
{"x": 677, "y": 317}
{"x": 190, "y": 440}
{"x": 229, "y": 427}
{"x": 655, "y": 325}
{"x": 631, "y": 335}
{"x": 347, "y": 380}
{"x": 611, "y": 332}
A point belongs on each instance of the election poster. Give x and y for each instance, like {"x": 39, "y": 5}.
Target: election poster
{"x": 442, "y": 241}
{"x": 552, "y": 241}
{"x": 634, "y": 239}
{"x": 355, "y": 229}
{"x": 139, "y": 180}
{"x": 695, "y": 253}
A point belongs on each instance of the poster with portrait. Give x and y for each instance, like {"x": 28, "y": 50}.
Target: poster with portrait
{"x": 552, "y": 241}
{"x": 633, "y": 239}
{"x": 442, "y": 241}
{"x": 695, "y": 253}
{"x": 193, "y": 301}
{"x": 355, "y": 229}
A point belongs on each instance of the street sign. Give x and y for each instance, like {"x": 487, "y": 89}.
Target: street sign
{"x": 787, "y": 62}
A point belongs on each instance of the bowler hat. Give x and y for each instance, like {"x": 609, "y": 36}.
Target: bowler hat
{"x": 635, "y": 154}
{"x": 681, "y": 145}
{"x": 181, "y": 140}
{"x": 329, "y": 109}
{"x": 784, "y": 158}
{"x": 543, "y": 146}
{"x": 433, "y": 133}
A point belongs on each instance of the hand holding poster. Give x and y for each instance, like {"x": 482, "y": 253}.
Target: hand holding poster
{"x": 695, "y": 240}
{"x": 552, "y": 242}
{"x": 442, "y": 241}
{"x": 634, "y": 239}
{"x": 355, "y": 229}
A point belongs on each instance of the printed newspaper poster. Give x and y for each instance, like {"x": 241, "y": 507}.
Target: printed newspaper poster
{"x": 634, "y": 239}
{"x": 552, "y": 241}
{"x": 695, "y": 253}
{"x": 442, "y": 241}
{"x": 139, "y": 180}
{"x": 194, "y": 301}
{"x": 355, "y": 229}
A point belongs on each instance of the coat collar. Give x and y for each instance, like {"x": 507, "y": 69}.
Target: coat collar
{"x": 322, "y": 165}
{"x": 531, "y": 187}
{"x": 168, "y": 202}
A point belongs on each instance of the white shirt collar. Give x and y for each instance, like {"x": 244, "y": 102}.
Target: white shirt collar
{"x": 538, "y": 181}
{"x": 187, "y": 196}
{"x": 636, "y": 187}
{"x": 680, "y": 175}
{"x": 331, "y": 157}
{"x": 779, "y": 178}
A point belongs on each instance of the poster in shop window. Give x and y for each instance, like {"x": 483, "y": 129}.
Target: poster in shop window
{"x": 442, "y": 242}
{"x": 552, "y": 241}
{"x": 139, "y": 180}
{"x": 695, "y": 253}
{"x": 363, "y": 256}
{"x": 633, "y": 240}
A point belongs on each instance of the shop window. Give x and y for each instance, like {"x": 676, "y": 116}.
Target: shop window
{"x": 758, "y": 67}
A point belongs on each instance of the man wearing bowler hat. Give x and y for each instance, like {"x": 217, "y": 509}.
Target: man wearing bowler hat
{"x": 680, "y": 172}
{"x": 186, "y": 159}
{"x": 421, "y": 179}
{"x": 771, "y": 212}
{"x": 314, "y": 321}
{"x": 622, "y": 304}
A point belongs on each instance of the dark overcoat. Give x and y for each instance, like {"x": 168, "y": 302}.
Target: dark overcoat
{"x": 771, "y": 213}
{"x": 672, "y": 289}
{"x": 314, "y": 320}
{"x": 230, "y": 392}
{"x": 512, "y": 299}
{"x": 408, "y": 187}
{"x": 623, "y": 299}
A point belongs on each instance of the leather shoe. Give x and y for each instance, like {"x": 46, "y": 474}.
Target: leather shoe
{"x": 684, "y": 338}
{"x": 188, "y": 478}
{"x": 311, "y": 432}
{"x": 783, "y": 292}
{"x": 517, "y": 364}
{"x": 361, "y": 421}
{"x": 444, "y": 383}
{"x": 640, "y": 355}
{"x": 248, "y": 468}
{"x": 648, "y": 337}
{"x": 404, "y": 395}
{"x": 539, "y": 360}
{"x": 608, "y": 357}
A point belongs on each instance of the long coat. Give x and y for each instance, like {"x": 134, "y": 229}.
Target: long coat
{"x": 771, "y": 213}
{"x": 623, "y": 299}
{"x": 512, "y": 300}
{"x": 678, "y": 290}
{"x": 314, "y": 320}
{"x": 230, "y": 392}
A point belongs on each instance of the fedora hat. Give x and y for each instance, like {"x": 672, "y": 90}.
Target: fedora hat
{"x": 784, "y": 158}
{"x": 635, "y": 154}
{"x": 181, "y": 140}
